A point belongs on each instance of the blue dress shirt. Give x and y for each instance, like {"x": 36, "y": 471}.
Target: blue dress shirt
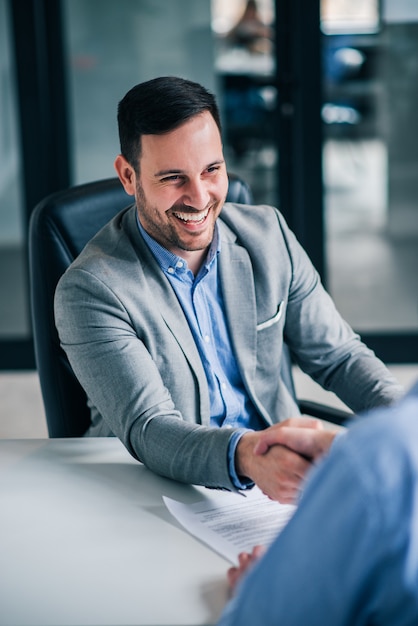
{"x": 349, "y": 555}
{"x": 201, "y": 299}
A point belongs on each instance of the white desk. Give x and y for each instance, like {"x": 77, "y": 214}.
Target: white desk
{"x": 85, "y": 539}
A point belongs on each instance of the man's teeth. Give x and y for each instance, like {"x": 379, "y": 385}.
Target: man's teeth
{"x": 192, "y": 217}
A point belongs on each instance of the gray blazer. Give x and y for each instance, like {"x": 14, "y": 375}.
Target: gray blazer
{"x": 129, "y": 343}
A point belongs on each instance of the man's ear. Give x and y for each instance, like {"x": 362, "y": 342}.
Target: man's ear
{"x": 126, "y": 174}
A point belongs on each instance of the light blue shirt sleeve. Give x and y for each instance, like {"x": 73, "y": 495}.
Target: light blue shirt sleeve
{"x": 239, "y": 483}
{"x": 349, "y": 555}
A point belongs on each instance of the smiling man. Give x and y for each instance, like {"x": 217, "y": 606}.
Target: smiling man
{"x": 175, "y": 316}
{"x": 180, "y": 193}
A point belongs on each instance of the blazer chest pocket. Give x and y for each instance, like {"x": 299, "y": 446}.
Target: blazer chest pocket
{"x": 273, "y": 320}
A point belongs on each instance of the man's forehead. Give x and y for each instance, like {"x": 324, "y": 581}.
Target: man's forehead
{"x": 189, "y": 126}
{"x": 197, "y": 142}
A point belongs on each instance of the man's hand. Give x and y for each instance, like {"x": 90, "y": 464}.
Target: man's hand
{"x": 267, "y": 458}
{"x": 310, "y": 443}
{"x": 245, "y": 560}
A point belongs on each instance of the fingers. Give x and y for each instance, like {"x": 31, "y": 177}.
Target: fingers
{"x": 233, "y": 577}
{"x": 272, "y": 435}
{"x": 302, "y": 422}
{"x": 268, "y": 439}
{"x": 291, "y": 466}
{"x": 311, "y": 444}
{"x": 245, "y": 560}
{"x": 258, "y": 552}
{"x": 282, "y": 475}
{"x": 235, "y": 574}
{"x": 279, "y": 472}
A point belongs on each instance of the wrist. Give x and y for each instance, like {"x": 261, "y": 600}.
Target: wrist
{"x": 244, "y": 453}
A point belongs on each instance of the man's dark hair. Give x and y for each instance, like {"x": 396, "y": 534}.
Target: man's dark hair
{"x": 158, "y": 106}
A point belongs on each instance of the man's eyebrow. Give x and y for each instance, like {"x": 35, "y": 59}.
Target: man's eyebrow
{"x": 167, "y": 172}
{"x": 174, "y": 171}
{"x": 218, "y": 162}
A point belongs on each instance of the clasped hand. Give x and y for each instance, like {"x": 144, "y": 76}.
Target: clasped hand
{"x": 278, "y": 458}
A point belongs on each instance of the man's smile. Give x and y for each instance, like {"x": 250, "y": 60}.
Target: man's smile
{"x": 195, "y": 218}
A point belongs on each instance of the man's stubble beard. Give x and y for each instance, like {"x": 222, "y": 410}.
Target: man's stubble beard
{"x": 159, "y": 234}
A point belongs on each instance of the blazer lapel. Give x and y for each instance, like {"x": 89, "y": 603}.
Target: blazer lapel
{"x": 240, "y": 304}
{"x": 172, "y": 313}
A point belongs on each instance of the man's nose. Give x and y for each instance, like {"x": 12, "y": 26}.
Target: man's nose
{"x": 197, "y": 194}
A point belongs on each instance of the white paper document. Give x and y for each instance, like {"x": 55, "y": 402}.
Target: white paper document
{"x": 230, "y": 523}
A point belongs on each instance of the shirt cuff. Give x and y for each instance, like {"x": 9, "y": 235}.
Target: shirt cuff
{"x": 239, "y": 483}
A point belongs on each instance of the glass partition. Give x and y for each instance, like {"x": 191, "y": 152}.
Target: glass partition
{"x": 245, "y": 70}
{"x": 14, "y": 305}
{"x": 370, "y": 161}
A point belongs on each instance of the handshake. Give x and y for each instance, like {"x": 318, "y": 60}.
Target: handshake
{"x": 278, "y": 458}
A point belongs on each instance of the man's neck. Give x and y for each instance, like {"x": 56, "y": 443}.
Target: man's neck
{"x": 194, "y": 258}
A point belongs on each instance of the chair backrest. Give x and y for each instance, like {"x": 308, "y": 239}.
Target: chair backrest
{"x": 60, "y": 227}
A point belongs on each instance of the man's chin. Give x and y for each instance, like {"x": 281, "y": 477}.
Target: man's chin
{"x": 197, "y": 241}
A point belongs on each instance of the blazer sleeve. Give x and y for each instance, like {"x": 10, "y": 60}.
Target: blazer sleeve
{"x": 325, "y": 346}
{"x": 125, "y": 388}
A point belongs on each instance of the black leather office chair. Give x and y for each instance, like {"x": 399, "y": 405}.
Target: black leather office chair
{"x": 60, "y": 226}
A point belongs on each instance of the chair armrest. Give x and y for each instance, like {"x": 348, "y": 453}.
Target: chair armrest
{"x": 324, "y": 412}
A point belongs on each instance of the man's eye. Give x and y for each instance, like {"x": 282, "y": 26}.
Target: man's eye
{"x": 167, "y": 179}
{"x": 214, "y": 168}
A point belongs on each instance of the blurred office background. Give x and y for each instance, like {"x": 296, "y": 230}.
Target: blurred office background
{"x": 318, "y": 100}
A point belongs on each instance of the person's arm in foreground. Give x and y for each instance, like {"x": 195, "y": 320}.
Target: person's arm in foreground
{"x": 308, "y": 444}
{"x": 348, "y": 555}
{"x": 293, "y": 582}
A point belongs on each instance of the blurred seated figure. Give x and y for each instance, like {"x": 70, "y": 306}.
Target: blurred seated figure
{"x": 251, "y": 32}
{"x": 247, "y": 77}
